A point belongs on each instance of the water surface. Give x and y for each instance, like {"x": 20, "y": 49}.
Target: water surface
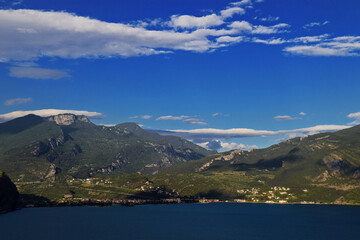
{"x": 184, "y": 221}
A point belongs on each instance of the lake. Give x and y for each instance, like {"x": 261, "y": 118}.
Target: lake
{"x": 184, "y": 221}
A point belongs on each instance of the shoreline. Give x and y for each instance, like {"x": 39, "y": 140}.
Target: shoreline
{"x": 136, "y": 202}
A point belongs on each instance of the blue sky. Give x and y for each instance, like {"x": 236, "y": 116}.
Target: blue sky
{"x": 225, "y": 74}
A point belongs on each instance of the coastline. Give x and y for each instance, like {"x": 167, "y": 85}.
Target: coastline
{"x": 135, "y": 202}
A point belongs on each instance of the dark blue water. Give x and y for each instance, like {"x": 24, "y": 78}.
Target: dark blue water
{"x": 184, "y": 221}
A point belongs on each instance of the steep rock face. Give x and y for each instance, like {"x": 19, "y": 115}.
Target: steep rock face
{"x": 8, "y": 194}
{"x": 67, "y": 119}
{"x": 51, "y": 144}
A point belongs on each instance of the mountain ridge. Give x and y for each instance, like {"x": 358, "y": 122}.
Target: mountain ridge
{"x": 74, "y": 145}
{"x": 76, "y": 159}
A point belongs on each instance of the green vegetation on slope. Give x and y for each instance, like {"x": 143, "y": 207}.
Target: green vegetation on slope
{"x": 80, "y": 160}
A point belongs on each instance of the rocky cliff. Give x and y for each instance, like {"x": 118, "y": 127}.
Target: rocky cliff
{"x": 67, "y": 119}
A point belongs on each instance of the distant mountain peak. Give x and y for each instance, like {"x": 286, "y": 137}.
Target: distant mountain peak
{"x": 67, "y": 119}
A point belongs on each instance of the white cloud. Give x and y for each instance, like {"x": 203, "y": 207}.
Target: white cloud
{"x": 314, "y": 130}
{"x": 356, "y": 116}
{"x": 302, "y": 113}
{"x": 31, "y": 34}
{"x": 17, "y": 101}
{"x": 220, "y": 145}
{"x": 134, "y": 117}
{"x": 305, "y": 39}
{"x": 146, "y": 116}
{"x": 61, "y": 34}
{"x": 228, "y": 39}
{"x": 278, "y": 28}
{"x": 28, "y": 35}
{"x": 47, "y": 113}
{"x": 194, "y": 121}
{"x": 272, "y": 41}
{"x": 25, "y": 64}
{"x": 317, "y": 50}
{"x": 187, "y": 21}
{"x": 285, "y": 117}
{"x": 269, "y": 19}
{"x": 338, "y": 46}
{"x": 310, "y": 39}
{"x": 234, "y": 145}
{"x": 37, "y": 73}
{"x": 219, "y": 114}
{"x": 315, "y": 24}
{"x": 229, "y": 12}
{"x": 170, "y": 117}
{"x": 208, "y": 134}
{"x": 244, "y": 26}
{"x": 241, "y": 26}
{"x": 246, "y": 2}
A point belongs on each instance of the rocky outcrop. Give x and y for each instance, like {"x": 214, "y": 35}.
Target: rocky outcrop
{"x": 51, "y": 144}
{"x": 337, "y": 164}
{"x": 172, "y": 154}
{"x": 334, "y": 162}
{"x": 51, "y": 173}
{"x": 8, "y": 194}
{"x": 223, "y": 157}
{"x": 118, "y": 164}
{"x": 67, "y": 119}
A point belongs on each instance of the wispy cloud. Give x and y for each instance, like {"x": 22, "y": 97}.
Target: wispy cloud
{"x": 48, "y": 112}
{"x": 278, "y": 28}
{"x": 220, "y": 114}
{"x": 17, "y": 101}
{"x": 302, "y": 114}
{"x": 246, "y": 2}
{"x": 208, "y": 134}
{"x": 34, "y": 34}
{"x": 304, "y": 39}
{"x": 271, "y": 41}
{"x": 37, "y": 73}
{"x": 268, "y": 19}
{"x": 194, "y": 121}
{"x": 315, "y": 24}
{"x": 141, "y": 116}
{"x": 356, "y": 116}
{"x": 338, "y": 46}
{"x": 244, "y": 26}
{"x": 170, "y": 117}
{"x": 310, "y": 39}
{"x": 146, "y": 116}
{"x": 231, "y": 11}
{"x": 285, "y": 117}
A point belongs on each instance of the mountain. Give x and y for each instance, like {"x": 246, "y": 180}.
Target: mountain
{"x": 66, "y": 157}
{"x": 322, "y": 167}
{"x": 8, "y": 194}
{"x": 34, "y": 149}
